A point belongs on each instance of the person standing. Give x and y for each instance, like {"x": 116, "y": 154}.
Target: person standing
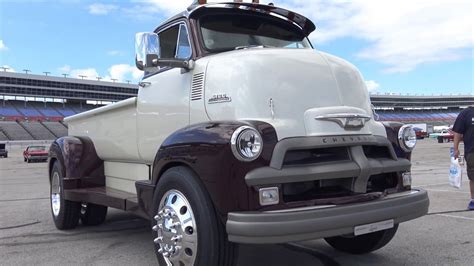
{"x": 464, "y": 131}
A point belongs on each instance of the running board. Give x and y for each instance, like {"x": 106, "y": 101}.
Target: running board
{"x": 107, "y": 197}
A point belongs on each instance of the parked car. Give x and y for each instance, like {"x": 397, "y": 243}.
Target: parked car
{"x": 420, "y": 133}
{"x": 35, "y": 153}
{"x": 3, "y": 150}
{"x": 447, "y": 136}
{"x": 241, "y": 133}
{"x": 435, "y": 135}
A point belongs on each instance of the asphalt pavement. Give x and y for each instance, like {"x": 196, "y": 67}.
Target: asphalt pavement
{"x": 28, "y": 236}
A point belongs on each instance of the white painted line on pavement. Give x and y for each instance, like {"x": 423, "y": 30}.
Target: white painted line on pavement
{"x": 455, "y": 216}
{"x": 430, "y": 185}
{"x": 437, "y": 184}
{"x": 452, "y": 191}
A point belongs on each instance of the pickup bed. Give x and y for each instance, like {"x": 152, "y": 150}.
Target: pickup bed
{"x": 241, "y": 133}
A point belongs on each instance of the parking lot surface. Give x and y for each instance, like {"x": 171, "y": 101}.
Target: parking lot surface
{"x": 28, "y": 236}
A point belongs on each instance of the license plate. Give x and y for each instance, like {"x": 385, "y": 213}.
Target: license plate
{"x": 374, "y": 227}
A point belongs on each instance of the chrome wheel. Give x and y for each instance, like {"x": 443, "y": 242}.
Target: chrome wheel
{"x": 176, "y": 229}
{"x": 55, "y": 194}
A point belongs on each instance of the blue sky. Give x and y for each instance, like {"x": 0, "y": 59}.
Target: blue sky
{"x": 400, "y": 46}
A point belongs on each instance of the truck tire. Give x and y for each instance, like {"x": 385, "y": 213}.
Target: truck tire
{"x": 364, "y": 243}
{"x": 93, "y": 214}
{"x": 186, "y": 227}
{"x": 440, "y": 139}
{"x": 65, "y": 213}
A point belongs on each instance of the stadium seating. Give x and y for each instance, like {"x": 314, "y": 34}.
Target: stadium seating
{"x": 3, "y": 136}
{"x": 46, "y": 109}
{"x": 15, "y": 131}
{"x": 64, "y": 110}
{"x": 37, "y": 130}
{"x": 417, "y": 116}
{"x": 7, "y": 109}
{"x": 27, "y": 110}
{"x": 57, "y": 128}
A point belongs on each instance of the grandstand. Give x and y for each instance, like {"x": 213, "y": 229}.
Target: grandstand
{"x": 432, "y": 110}
{"x": 32, "y": 107}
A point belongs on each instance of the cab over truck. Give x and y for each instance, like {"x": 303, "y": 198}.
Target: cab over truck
{"x": 241, "y": 133}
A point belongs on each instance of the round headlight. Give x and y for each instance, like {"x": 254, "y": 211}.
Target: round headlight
{"x": 407, "y": 138}
{"x": 246, "y": 143}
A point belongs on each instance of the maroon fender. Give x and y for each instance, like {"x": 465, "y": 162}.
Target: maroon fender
{"x": 392, "y": 129}
{"x": 205, "y": 148}
{"x": 81, "y": 166}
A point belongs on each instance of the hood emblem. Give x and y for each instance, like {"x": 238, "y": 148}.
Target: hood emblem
{"x": 350, "y": 121}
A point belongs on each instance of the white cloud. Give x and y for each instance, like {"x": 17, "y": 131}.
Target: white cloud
{"x": 101, "y": 9}
{"x": 7, "y": 68}
{"x": 120, "y": 72}
{"x": 3, "y": 47}
{"x": 65, "y": 69}
{"x": 371, "y": 85}
{"x": 148, "y": 9}
{"x": 115, "y": 53}
{"x": 89, "y": 73}
{"x": 124, "y": 72}
{"x": 401, "y": 34}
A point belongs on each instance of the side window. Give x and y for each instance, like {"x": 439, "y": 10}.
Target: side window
{"x": 174, "y": 43}
{"x": 168, "y": 42}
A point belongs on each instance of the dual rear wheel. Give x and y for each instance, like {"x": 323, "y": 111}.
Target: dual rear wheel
{"x": 66, "y": 214}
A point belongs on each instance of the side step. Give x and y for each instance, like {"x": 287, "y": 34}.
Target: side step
{"x": 107, "y": 197}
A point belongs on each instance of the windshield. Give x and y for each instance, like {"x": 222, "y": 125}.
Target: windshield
{"x": 37, "y": 148}
{"x": 228, "y": 32}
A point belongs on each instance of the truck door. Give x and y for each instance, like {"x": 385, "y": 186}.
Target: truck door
{"x": 163, "y": 103}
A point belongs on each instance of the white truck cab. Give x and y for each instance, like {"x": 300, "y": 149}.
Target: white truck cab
{"x": 241, "y": 133}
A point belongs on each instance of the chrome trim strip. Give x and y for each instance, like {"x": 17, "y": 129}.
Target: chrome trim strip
{"x": 389, "y": 196}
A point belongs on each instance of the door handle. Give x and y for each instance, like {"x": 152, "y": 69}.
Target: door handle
{"x": 144, "y": 84}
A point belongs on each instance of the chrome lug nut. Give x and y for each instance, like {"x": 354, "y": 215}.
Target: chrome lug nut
{"x": 166, "y": 254}
{"x": 155, "y": 228}
{"x": 176, "y": 224}
{"x": 157, "y": 217}
{"x": 158, "y": 240}
{"x": 177, "y": 238}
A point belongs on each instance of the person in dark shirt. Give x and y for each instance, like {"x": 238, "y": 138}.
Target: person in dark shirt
{"x": 464, "y": 131}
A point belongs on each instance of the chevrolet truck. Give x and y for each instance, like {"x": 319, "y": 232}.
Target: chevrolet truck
{"x": 241, "y": 132}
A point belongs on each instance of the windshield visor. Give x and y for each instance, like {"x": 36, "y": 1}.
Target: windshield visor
{"x": 228, "y": 32}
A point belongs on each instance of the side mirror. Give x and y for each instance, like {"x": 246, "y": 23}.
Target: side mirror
{"x": 147, "y": 49}
{"x": 147, "y": 54}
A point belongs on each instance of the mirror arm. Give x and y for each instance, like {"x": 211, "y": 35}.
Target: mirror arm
{"x": 186, "y": 64}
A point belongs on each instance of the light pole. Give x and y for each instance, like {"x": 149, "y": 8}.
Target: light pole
{"x": 65, "y": 75}
{"x": 82, "y": 76}
{"x": 128, "y": 81}
{"x": 114, "y": 80}
{"x": 5, "y": 69}
{"x": 98, "y": 78}
{"x": 46, "y": 73}
{"x": 26, "y": 71}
